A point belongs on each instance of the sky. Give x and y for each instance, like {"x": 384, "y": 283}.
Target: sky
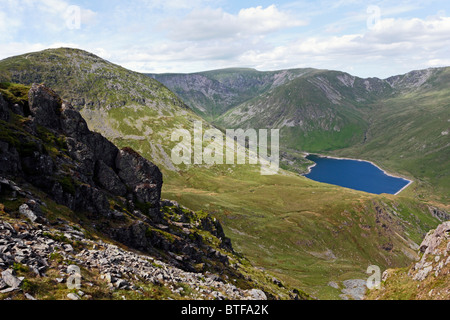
{"x": 364, "y": 38}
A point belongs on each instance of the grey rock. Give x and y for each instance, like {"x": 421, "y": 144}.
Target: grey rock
{"x": 26, "y": 211}
{"x": 68, "y": 248}
{"x": 8, "y": 290}
{"x": 355, "y": 288}
{"x": 257, "y": 294}
{"x": 434, "y": 238}
{"x": 109, "y": 180}
{"x": 333, "y": 285}
{"x": 438, "y": 213}
{"x": 142, "y": 176}
{"x": 73, "y": 123}
{"x": 423, "y": 273}
{"x": 3, "y": 284}
{"x": 219, "y": 296}
{"x": 45, "y": 106}
{"x": 121, "y": 284}
{"x": 73, "y": 296}
{"x": 10, "y": 279}
{"x": 29, "y": 296}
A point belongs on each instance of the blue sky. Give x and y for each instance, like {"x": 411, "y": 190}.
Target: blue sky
{"x": 364, "y": 38}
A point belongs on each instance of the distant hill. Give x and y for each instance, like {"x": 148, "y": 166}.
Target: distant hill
{"x": 212, "y": 93}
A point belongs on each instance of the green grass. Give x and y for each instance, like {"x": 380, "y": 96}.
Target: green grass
{"x": 284, "y": 223}
{"x": 15, "y": 93}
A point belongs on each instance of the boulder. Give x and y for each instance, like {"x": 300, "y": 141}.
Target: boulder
{"x": 102, "y": 148}
{"x": 73, "y": 296}
{"x": 257, "y": 294}
{"x": 10, "y": 279}
{"x": 27, "y": 212}
{"x": 73, "y": 123}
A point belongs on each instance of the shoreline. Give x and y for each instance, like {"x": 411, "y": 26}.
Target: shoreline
{"x": 360, "y": 160}
{"x": 311, "y": 166}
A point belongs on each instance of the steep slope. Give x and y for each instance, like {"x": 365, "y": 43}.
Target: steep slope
{"x": 66, "y": 190}
{"x": 320, "y": 111}
{"x": 212, "y": 93}
{"x": 284, "y": 223}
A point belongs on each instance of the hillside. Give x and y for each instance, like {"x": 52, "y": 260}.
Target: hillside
{"x": 212, "y": 93}
{"x": 69, "y": 197}
{"x": 307, "y": 234}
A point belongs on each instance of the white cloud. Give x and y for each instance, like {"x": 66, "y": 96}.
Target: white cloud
{"x": 50, "y": 15}
{"x": 207, "y": 24}
{"x": 189, "y": 36}
{"x": 438, "y": 62}
{"x": 18, "y": 48}
{"x": 394, "y": 43}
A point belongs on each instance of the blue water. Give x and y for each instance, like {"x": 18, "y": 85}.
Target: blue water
{"x": 354, "y": 174}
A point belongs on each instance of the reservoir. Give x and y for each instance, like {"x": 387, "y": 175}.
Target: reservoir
{"x": 354, "y": 174}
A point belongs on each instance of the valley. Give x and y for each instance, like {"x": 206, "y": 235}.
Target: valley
{"x": 306, "y": 233}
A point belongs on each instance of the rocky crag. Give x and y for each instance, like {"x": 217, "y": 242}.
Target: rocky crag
{"x": 68, "y": 196}
{"x": 428, "y": 278}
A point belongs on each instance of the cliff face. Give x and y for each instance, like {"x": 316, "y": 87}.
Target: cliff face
{"x": 59, "y": 176}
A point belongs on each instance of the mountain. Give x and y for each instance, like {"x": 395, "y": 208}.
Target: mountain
{"x": 212, "y": 93}
{"x": 401, "y": 122}
{"x": 71, "y": 197}
{"x": 306, "y": 234}
{"x": 126, "y": 107}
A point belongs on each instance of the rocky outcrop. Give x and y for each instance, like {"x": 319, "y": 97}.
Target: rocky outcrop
{"x": 78, "y": 168}
{"x": 439, "y": 213}
{"x": 436, "y": 254}
{"x": 109, "y": 180}
{"x": 45, "y": 106}
{"x": 428, "y": 278}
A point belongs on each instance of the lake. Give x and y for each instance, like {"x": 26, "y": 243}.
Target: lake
{"x": 354, "y": 174}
